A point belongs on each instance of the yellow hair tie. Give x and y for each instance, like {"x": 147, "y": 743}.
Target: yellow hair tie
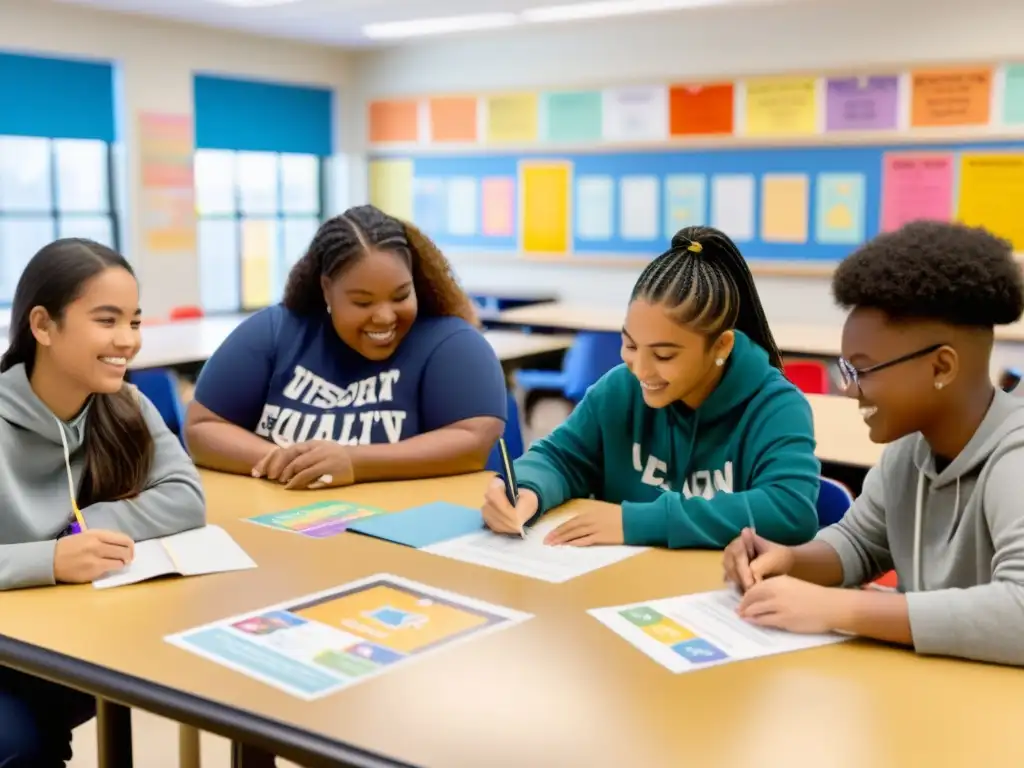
{"x": 695, "y": 247}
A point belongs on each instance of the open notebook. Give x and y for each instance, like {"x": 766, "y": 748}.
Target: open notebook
{"x": 193, "y": 553}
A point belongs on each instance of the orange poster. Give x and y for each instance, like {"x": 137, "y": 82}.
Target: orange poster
{"x": 453, "y": 118}
{"x": 394, "y": 121}
{"x": 951, "y": 97}
{"x": 701, "y": 110}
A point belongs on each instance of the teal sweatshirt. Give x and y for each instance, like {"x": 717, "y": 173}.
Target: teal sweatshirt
{"x": 684, "y": 477}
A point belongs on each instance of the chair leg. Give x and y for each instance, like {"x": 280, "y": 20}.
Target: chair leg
{"x": 188, "y": 747}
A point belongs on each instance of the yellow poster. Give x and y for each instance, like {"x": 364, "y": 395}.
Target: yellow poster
{"x": 390, "y": 184}
{"x": 512, "y": 118}
{"x": 545, "y": 206}
{"x": 785, "y": 208}
{"x": 781, "y": 106}
{"x": 257, "y": 261}
{"x": 992, "y": 194}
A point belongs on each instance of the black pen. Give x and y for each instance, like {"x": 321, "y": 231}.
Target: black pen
{"x": 509, "y": 478}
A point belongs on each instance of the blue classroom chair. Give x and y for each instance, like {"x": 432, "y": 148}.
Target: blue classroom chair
{"x": 834, "y": 500}
{"x": 590, "y": 357}
{"x": 513, "y": 439}
{"x": 159, "y": 385}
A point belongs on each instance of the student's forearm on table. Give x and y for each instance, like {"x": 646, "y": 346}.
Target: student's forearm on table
{"x": 877, "y": 615}
{"x": 817, "y": 563}
{"x": 446, "y": 451}
{"x": 225, "y": 447}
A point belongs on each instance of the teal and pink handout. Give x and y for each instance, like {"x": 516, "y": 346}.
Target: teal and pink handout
{"x": 318, "y": 521}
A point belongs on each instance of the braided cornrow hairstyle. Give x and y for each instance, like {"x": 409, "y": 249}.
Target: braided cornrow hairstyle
{"x": 706, "y": 283}
{"x": 343, "y": 240}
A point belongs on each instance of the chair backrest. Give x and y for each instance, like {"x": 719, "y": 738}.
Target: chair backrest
{"x": 187, "y": 313}
{"x": 159, "y": 385}
{"x": 809, "y": 376}
{"x": 590, "y": 357}
{"x": 513, "y": 438}
{"x": 834, "y": 501}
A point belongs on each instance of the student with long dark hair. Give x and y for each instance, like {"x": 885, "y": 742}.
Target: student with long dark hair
{"x": 697, "y": 436}
{"x": 70, "y": 425}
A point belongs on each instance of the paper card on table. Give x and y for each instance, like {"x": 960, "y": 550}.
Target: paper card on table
{"x": 862, "y": 103}
{"x": 992, "y": 194}
{"x": 530, "y": 556}
{"x": 317, "y": 644}
{"x": 781, "y": 106}
{"x": 732, "y": 205}
{"x": 394, "y": 121}
{"x": 198, "y": 552}
{"x": 595, "y": 197}
{"x": 390, "y": 183}
{"x": 317, "y": 521}
{"x": 693, "y": 632}
{"x": 422, "y": 526}
{"x": 463, "y": 206}
{"x": 701, "y": 110}
{"x": 453, "y": 119}
{"x": 785, "y": 200}
{"x": 512, "y": 117}
{"x": 685, "y": 202}
{"x": 916, "y": 186}
{"x": 573, "y": 116}
{"x": 1013, "y": 95}
{"x": 840, "y": 209}
{"x": 961, "y": 96}
{"x": 498, "y": 201}
{"x": 259, "y": 256}
{"x": 639, "y": 210}
{"x": 430, "y": 205}
{"x": 635, "y": 113}
{"x": 544, "y": 194}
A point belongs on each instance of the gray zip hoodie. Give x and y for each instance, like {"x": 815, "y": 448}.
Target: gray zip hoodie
{"x": 955, "y": 538}
{"x": 35, "y": 501}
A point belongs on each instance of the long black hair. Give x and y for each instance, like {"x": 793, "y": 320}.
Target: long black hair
{"x": 118, "y": 444}
{"x": 705, "y": 280}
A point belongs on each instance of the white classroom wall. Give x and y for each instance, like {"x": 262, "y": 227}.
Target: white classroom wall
{"x": 157, "y": 62}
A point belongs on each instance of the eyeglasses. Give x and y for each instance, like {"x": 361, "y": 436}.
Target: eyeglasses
{"x": 849, "y": 375}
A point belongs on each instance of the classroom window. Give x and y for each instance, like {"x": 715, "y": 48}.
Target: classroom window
{"x": 258, "y": 211}
{"x": 52, "y": 188}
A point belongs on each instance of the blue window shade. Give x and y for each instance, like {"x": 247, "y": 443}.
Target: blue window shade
{"x": 56, "y": 98}
{"x": 252, "y": 116}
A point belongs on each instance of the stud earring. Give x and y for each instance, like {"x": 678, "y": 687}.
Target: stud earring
{"x": 328, "y": 309}
{"x": 939, "y": 385}
{"x": 720, "y": 362}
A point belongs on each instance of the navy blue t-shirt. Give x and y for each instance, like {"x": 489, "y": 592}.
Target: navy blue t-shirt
{"x": 290, "y": 378}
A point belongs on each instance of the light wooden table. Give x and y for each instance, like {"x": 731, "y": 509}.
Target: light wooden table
{"x": 511, "y": 346}
{"x": 840, "y": 432}
{"x": 557, "y": 690}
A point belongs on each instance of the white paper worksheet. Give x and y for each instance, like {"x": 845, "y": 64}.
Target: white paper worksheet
{"x": 531, "y": 556}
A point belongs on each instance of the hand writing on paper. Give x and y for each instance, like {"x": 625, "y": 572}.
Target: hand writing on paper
{"x": 86, "y": 556}
{"x": 310, "y": 465}
{"x": 502, "y": 517}
{"x": 750, "y": 558}
{"x": 601, "y": 524}
{"x": 786, "y": 603}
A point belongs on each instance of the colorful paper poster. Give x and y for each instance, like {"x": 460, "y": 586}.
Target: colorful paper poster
{"x": 840, "y": 209}
{"x": 512, "y": 118}
{"x": 694, "y": 632}
{"x": 390, "y": 183}
{"x": 916, "y": 186}
{"x": 259, "y": 255}
{"x": 573, "y": 116}
{"x": 1013, "y": 95}
{"x": 685, "y": 202}
{"x": 635, "y": 113}
{"x": 639, "y": 208}
{"x": 498, "y": 202}
{"x": 732, "y": 205}
{"x": 781, "y": 106}
{"x": 951, "y": 97}
{"x": 463, "y": 206}
{"x": 453, "y": 119}
{"x": 862, "y": 103}
{"x": 595, "y": 199}
{"x": 544, "y": 193}
{"x": 317, "y": 521}
{"x": 315, "y": 645}
{"x": 785, "y": 204}
{"x": 701, "y": 110}
{"x": 168, "y": 201}
{"x": 394, "y": 121}
{"x": 430, "y": 205}
{"x": 992, "y": 194}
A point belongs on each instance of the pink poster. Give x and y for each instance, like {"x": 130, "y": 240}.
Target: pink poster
{"x": 916, "y": 186}
{"x": 498, "y": 207}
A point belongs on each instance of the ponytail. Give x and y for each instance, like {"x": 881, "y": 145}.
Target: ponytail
{"x": 118, "y": 448}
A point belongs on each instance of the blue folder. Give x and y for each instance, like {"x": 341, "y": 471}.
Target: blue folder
{"x": 421, "y": 526}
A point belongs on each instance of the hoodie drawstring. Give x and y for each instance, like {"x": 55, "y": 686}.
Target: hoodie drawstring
{"x": 67, "y": 467}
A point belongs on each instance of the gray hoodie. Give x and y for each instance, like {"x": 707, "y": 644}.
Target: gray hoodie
{"x": 35, "y": 501}
{"x": 955, "y": 538}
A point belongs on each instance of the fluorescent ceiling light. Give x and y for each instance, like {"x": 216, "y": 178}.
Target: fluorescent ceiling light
{"x": 439, "y": 26}
{"x": 607, "y": 8}
{"x": 254, "y": 3}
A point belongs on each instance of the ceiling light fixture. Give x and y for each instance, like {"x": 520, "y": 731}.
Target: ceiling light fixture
{"x": 254, "y": 3}
{"x": 394, "y": 30}
{"x": 603, "y": 9}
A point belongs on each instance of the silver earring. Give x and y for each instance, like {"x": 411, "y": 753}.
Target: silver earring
{"x": 939, "y": 385}
{"x": 720, "y": 362}
{"x": 328, "y": 309}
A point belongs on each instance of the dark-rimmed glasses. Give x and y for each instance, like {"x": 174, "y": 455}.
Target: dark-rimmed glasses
{"x": 849, "y": 375}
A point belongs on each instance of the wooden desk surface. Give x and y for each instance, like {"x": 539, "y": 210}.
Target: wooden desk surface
{"x": 557, "y": 690}
{"x": 840, "y": 432}
{"x": 515, "y": 345}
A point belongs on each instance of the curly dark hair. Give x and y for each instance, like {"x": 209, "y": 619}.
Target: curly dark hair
{"x": 342, "y": 241}
{"x": 930, "y": 270}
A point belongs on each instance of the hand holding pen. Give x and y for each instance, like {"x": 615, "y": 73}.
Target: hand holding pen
{"x": 506, "y": 508}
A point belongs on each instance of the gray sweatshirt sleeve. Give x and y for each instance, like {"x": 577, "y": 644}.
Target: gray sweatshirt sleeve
{"x": 986, "y": 622}
{"x": 26, "y": 565}
{"x": 173, "y": 500}
{"x": 860, "y": 538}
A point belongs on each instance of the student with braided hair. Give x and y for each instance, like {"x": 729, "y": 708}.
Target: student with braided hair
{"x": 370, "y": 369}
{"x": 696, "y": 437}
